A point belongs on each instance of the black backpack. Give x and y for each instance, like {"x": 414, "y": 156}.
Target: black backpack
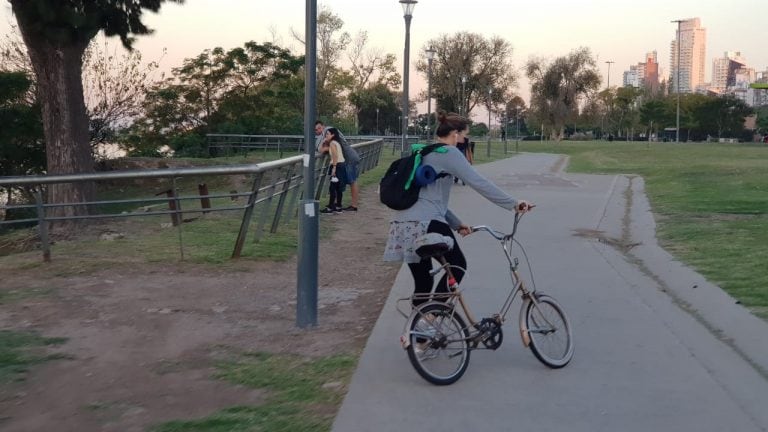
{"x": 398, "y": 189}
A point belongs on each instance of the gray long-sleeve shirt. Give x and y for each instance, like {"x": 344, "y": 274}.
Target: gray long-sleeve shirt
{"x": 433, "y": 198}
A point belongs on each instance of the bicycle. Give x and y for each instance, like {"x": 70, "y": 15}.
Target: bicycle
{"x": 439, "y": 341}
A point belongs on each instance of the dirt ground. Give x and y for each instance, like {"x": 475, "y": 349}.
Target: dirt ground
{"x": 142, "y": 339}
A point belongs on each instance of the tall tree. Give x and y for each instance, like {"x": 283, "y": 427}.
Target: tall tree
{"x": 369, "y": 68}
{"x": 557, "y": 87}
{"x": 722, "y": 116}
{"x": 332, "y": 80}
{"x": 254, "y": 89}
{"x": 625, "y": 113}
{"x": 485, "y": 63}
{"x": 655, "y": 114}
{"x": 114, "y": 83}
{"x": 56, "y": 34}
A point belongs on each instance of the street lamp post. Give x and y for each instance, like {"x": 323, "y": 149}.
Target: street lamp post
{"x": 608, "y": 89}
{"x": 506, "y": 128}
{"x": 408, "y": 6}
{"x": 463, "y": 86}
{"x": 488, "y": 149}
{"x": 677, "y": 82}
{"x": 517, "y": 128}
{"x": 430, "y": 56}
{"x": 377, "y": 122}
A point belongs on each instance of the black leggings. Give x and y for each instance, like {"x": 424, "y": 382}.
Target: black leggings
{"x": 423, "y": 282}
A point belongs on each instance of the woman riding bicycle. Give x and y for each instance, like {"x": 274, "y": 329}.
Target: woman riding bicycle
{"x": 430, "y": 214}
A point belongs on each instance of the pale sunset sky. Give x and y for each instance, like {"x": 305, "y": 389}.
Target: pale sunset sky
{"x": 616, "y": 30}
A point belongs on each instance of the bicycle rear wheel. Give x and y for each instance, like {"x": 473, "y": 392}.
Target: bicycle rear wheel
{"x": 549, "y": 331}
{"x": 439, "y": 345}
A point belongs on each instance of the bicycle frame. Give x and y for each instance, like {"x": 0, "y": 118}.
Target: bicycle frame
{"x": 439, "y": 338}
{"x": 454, "y": 294}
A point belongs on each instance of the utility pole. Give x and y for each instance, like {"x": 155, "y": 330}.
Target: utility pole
{"x": 307, "y": 269}
{"x": 488, "y": 149}
{"x": 608, "y": 89}
{"x": 677, "y": 81}
{"x": 408, "y": 6}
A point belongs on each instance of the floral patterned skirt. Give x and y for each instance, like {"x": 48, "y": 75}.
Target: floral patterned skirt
{"x": 400, "y": 240}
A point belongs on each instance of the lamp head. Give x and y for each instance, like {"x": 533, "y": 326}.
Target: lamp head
{"x": 408, "y": 6}
{"x": 430, "y": 53}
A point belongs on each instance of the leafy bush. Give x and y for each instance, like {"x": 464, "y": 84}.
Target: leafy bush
{"x": 189, "y": 145}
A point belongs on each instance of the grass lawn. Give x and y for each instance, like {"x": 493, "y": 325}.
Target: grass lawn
{"x": 710, "y": 202}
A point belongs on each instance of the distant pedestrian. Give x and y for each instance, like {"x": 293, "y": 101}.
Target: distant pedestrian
{"x": 352, "y": 162}
{"x": 464, "y": 146}
{"x": 337, "y": 171}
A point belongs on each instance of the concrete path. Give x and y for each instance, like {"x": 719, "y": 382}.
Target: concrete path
{"x": 658, "y": 348}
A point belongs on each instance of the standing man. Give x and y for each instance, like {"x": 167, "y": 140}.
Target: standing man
{"x": 352, "y": 164}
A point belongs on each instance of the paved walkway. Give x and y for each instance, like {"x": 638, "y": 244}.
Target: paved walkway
{"x": 657, "y": 347}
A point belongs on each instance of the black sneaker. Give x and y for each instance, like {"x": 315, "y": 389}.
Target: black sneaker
{"x": 350, "y": 208}
{"x": 328, "y": 210}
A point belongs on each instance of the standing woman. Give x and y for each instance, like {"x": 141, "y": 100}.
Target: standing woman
{"x": 430, "y": 213}
{"x": 336, "y": 170}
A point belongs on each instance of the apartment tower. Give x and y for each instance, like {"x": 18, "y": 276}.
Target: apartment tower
{"x": 692, "y": 42}
{"x": 724, "y": 70}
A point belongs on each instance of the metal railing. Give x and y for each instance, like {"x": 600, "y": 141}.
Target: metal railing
{"x": 276, "y": 182}
{"x": 234, "y": 144}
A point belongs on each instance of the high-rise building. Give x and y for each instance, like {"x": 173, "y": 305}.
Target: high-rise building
{"x": 644, "y": 75}
{"x": 761, "y": 96}
{"x": 651, "y": 76}
{"x": 724, "y": 70}
{"x": 692, "y": 43}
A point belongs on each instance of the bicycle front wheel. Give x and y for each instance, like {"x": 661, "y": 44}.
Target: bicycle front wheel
{"x": 439, "y": 344}
{"x": 549, "y": 331}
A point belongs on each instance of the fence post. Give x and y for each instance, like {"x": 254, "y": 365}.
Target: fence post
{"x": 42, "y": 225}
{"x": 171, "y": 193}
{"x": 205, "y": 202}
{"x": 290, "y": 172}
{"x": 247, "y": 215}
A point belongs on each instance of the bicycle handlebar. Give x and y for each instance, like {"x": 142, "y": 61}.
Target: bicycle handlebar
{"x": 499, "y": 235}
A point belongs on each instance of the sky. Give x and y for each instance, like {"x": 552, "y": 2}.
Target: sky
{"x": 615, "y": 30}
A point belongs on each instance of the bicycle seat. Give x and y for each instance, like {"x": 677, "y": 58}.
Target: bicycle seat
{"x": 431, "y": 245}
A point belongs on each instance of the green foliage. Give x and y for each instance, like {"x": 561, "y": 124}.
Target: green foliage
{"x": 70, "y": 23}
{"x": 256, "y": 89}
{"x": 190, "y": 145}
{"x": 22, "y": 151}
{"x": 657, "y": 114}
{"x": 721, "y": 116}
{"x": 762, "y": 119}
{"x": 378, "y": 109}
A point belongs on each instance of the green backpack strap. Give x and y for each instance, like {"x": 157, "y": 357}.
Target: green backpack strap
{"x": 422, "y": 150}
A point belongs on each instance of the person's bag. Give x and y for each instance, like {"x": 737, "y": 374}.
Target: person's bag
{"x": 399, "y": 188}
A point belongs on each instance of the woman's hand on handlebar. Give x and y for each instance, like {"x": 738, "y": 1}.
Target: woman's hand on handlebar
{"x": 524, "y": 206}
{"x": 464, "y": 230}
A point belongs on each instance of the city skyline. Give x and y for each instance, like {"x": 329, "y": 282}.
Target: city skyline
{"x": 615, "y": 33}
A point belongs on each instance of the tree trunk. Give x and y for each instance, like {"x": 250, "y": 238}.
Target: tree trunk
{"x": 65, "y": 122}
